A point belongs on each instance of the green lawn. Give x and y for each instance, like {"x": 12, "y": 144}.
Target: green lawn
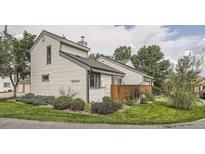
{"x": 157, "y": 113}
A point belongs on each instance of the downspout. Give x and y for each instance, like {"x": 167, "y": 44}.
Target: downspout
{"x": 88, "y": 85}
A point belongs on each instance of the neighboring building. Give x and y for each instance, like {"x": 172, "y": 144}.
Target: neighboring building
{"x": 58, "y": 64}
{"x": 5, "y": 84}
{"x": 132, "y": 76}
{"x": 24, "y": 86}
{"x": 201, "y": 88}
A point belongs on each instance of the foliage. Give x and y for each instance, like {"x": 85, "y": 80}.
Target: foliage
{"x": 144, "y": 100}
{"x": 185, "y": 80}
{"x": 77, "y": 105}
{"x": 62, "y": 102}
{"x": 123, "y": 52}
{"x": 105, "y": 107}
{"x": 131, "y": 102}
{"x": 15, "y": 56}
{"x": 147, "y": 98}
{"x": 151, "y": 60}
{"x": 36, "y": 100}
{"x": 88, "y": 107}
{"x": 156, "y": 113}
{"x": 95, "y": 55}
{"x": 69, "y": 92}
{"x": 107, "y": 99}
{"x": 44, "y": 100}
{"x": 150, "y": 97}
{"x": 29, "y": 95}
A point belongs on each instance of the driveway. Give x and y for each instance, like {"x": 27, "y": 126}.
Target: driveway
{"x": 6, "y": 123}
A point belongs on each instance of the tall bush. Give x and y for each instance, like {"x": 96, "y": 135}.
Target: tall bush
{"x": 184, "y": 81}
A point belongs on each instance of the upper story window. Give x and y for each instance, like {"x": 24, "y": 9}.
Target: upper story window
{"x": 48, "y": 55}
{"x": 94, "y": 80}
{"x": 45, "y": 78}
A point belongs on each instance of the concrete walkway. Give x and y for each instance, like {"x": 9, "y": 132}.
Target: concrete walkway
{"x": 6, "y": 123}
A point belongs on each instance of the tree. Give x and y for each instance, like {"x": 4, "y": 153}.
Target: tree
{"x": 151, "y": 60}
{"x": 15, "y": 57}
{"x": 185, "y": 80}
{"x": 123, "y": 52}
{"x": 95, "y": 55}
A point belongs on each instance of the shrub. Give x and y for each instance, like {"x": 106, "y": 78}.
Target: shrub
{"x": 29, "y": 95}
{"x": 62, "y": 102}
{"x": 105, "y": 107}
{"x": 27, "y": 100}
{"x": 183, "y": 101}
{"x": 44, "y": 100}
{"x": 147, "y": 98}
{"x": 36, "y": 100}
{"x": 88, "y": 107}
{"x": 107, "y": 99}
{"x": 150, "y": 97}
{"x": 121, "y": 102}
{"x": 77, "y": 105}
{"x": 131, "y": 102}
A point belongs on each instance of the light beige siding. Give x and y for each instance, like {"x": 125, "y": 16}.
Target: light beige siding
{"x": 61, "y": 71}
{"x": 96, "y": 95}
{"x": 130, "y": 77}
{"x": 129, "y": 63}
{"x": 74, "y": 51}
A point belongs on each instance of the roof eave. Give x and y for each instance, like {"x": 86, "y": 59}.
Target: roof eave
{"x": 128, "y": 67}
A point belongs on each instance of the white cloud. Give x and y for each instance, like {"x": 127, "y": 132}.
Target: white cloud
{"x": 106, "y": 39}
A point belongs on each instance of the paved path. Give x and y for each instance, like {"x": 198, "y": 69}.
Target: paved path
{"x": 6, "y": 123}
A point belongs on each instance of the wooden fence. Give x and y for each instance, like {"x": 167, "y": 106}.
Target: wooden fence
{"x": 126, "y": 92}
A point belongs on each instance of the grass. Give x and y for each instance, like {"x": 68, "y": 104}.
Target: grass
{"x": 156, "y": 113}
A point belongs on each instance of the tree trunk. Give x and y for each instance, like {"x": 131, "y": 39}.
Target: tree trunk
{"x": 14, "y": 92}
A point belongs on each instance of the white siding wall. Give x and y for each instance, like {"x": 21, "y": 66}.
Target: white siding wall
{"x": 61, "y": 71}
{"x": 129, "y": 63}
{"x": 96, "y": 95}
{"x": 2, "y": 81}
{"x": 74, "y": 51}
{"x": 130, "y": 76}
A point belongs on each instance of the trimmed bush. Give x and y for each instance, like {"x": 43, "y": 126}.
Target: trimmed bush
{"x": 107, "y": 99}
{"x": 62, "y": 102}
{"x": 36, "y": 100}
{"x": 44, "y": 100}
{"x": 105, "y": 107}
{"x": 29, "y": 95}
{"x": 77, "y": 105}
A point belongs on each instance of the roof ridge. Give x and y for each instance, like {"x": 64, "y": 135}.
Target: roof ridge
{"x": 83, "y": 60}
{"x": 64, "y": 38}
{"x": 136, "y": 69}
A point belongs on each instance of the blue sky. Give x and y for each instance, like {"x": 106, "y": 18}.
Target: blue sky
{"x": 174, "y": 40}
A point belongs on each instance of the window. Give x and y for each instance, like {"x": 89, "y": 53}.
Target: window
{"x": 7, "y": 85}
{"x": 116, "y": 80}
{"x": 48, "y": 55}
{"x": 94, "y": 80}
{"x": 45, "y": 78}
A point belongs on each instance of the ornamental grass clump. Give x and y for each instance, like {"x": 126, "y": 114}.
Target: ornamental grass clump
{"x": 184, "y": 81}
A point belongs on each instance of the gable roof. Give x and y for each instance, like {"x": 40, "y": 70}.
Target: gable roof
{"x": 60, "y": 39}
{"x": 89, "y": 63}
{"x": 126, "y": 66}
